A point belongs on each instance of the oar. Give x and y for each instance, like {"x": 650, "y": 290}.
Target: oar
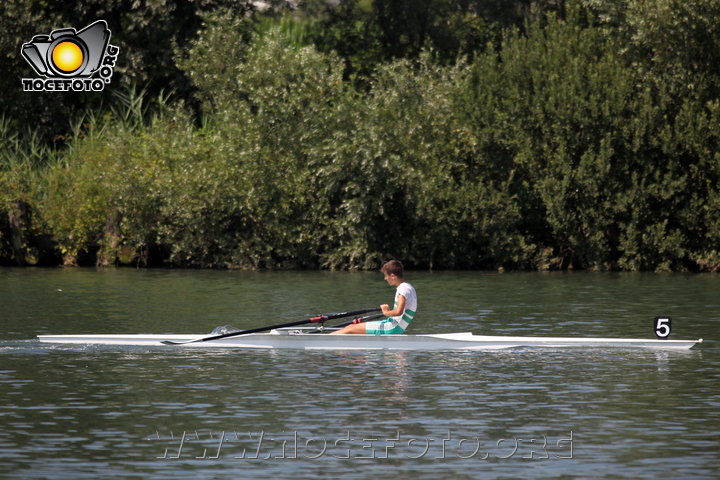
{"x": 359, "y": 320}
{"x": 354, "y": 320}
{"x": 319, "y": 318}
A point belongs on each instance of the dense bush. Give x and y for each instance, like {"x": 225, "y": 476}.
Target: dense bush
{"x": 564, "y": 147}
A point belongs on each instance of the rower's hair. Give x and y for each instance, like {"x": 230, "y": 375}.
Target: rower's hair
{"x": 393, "y": 267}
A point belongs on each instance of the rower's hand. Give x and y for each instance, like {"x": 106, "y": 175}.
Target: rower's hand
{"x": 385, "y": 309}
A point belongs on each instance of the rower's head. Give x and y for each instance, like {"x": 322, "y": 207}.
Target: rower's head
{"x": 393, "y": 271}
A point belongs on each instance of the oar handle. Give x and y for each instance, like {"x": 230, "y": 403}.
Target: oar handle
{"x": 360, "y": 320}
{"x": 367, "y": 318}
{"x": 331, "y": 316}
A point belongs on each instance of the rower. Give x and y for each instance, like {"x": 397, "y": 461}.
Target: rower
{"x": 402, "y": 313}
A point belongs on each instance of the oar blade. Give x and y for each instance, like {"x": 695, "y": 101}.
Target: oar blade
{"x": 172, "y": 342}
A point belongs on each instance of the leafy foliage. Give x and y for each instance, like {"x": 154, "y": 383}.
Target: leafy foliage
{"x": 584, "y": 139}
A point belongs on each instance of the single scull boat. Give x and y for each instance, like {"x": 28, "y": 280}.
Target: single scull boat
{"x": 302, "y": 338}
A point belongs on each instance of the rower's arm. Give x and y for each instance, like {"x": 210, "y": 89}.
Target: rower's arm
{"x": 397, "y": 311}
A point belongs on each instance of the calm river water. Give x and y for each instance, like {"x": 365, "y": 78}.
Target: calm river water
{"x": 170, "y": 412}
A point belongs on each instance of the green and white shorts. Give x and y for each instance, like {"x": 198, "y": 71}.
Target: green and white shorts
{"x": 389, "y": 326}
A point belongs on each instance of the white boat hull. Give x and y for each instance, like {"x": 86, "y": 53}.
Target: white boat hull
{"x": 296, "y": 339}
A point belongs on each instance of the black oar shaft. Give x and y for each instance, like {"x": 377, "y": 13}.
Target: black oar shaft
{"x": 319, "y": 318}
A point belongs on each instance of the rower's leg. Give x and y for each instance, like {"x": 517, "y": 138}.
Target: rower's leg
{"x": 352, "y": 329}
